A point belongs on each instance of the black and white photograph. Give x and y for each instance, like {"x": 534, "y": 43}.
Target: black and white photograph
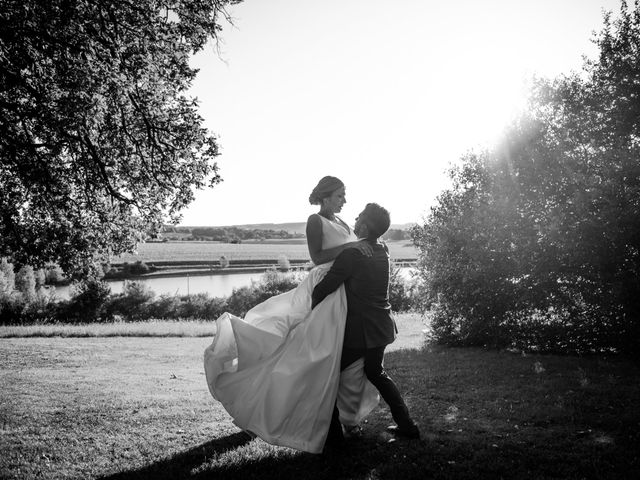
{"x": 340, "y": 239}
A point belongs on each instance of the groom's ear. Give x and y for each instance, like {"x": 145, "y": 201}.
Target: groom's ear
{"x": 364, "y": 229}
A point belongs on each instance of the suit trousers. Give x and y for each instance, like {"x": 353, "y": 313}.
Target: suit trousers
{"x": 374, "y": 370}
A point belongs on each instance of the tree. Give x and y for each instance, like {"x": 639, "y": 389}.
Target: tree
{"x": 88, "y": 302}
{"x": 8, "y": 276}
{"x": 26, "y": 282}
{"x": 396, "y": 234}
{"x": 541, "y": 233}
{"x": 99, "y": 141}
{"x": 595, "y": 120}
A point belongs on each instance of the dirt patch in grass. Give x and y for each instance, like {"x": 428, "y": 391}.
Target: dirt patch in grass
{"x": 126, "y": 407}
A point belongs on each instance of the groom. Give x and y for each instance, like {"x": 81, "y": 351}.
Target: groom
{"x": 369, "y": 327}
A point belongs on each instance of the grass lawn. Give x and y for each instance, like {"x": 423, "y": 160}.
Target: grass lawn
{"x": 138, "y": 407}
{"x": 151, "y": 328}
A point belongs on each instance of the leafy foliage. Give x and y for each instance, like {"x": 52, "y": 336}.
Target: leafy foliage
{"x": 87, "y": 304}
{"x": 273, "y": 283}
{"x": 26, "y": 282}
{"x": 92, "y": 301}
{"x": 234, "y": 234}
{"x": 132, "y": 303}
{"x": 396, "y": 234}
{"x": 100, "y": 142}
{"x": 402, "y": 293}
{"x": 7, "y": 276}
{"x": 53, "y": 274}
{"x": 537, "y": 243}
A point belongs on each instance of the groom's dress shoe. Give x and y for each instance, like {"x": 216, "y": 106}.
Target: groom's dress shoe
{"x": 353, "y": 432}
{"x": 333, "y": 444}
{"x": 408, "y": 431}
{"x": 335, "y": 437}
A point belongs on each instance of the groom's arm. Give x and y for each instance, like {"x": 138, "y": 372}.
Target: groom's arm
{"x": 340, "y": 270}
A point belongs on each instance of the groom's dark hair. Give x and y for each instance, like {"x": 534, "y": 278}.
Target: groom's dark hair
{"x": 377, "y": 219}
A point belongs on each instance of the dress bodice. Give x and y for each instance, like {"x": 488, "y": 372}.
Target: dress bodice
{"x": 334, "y": 234}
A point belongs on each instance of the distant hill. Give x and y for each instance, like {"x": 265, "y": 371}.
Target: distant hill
{"x": 292, "y": 227}
{"x": 402, "y": 226}
{"x": 295, "y": 227}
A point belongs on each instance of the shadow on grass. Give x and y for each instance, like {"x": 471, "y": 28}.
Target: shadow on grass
{"x": 182, "y": 464}
{"x": 483, "y": 414}
{"x": 238, "y": 457}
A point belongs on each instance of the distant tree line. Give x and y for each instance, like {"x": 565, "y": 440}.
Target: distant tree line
{"x": 229, "y": 234}
{"x": 397, "y": 234}
{"x": 537, "y": 243}
{"x": 234, "y": 234}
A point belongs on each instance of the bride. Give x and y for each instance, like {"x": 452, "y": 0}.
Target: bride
{"x": 277, "y": 371}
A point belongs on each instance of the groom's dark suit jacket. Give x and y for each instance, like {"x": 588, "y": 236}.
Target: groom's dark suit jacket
{"x": 366, "y": 280}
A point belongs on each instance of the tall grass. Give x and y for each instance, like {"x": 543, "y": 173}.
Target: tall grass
{"x": 150, "y": 328}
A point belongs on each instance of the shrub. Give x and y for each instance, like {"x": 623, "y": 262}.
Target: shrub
{"x": 40, "y": 277}
{"x": 42, "y": 309}
{"x": 243, "y": 299}
{"x": 272, "y": 283}
{"x": 4, "y": 284}
{"x": 87, "y": 303}
{"x": 26, "y": 282}
{"x": 132, "y": 303}
{"x": 201, "y": 306}
{"x": 139, "y": 268}
{"x": 11, "y": 307}
{"x": 127, "y": 269}
{"x": 165, "y": 307}
{"x": 402, "y": 292}
{"x": 135, "y": 304}
{"x": 283, "y": 262}
{"x": 53, "y": 274}
{"x": 16, "y": 308}
{"x": 8, "y": 275}
{"x": 278, "y": 282}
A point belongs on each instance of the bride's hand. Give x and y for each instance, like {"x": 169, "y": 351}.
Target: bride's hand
{"x": 363, "y": 247}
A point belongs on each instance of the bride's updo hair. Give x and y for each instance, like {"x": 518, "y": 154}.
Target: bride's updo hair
{"x": 326, "y": 186}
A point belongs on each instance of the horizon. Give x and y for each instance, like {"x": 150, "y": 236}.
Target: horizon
{"x": 393, "y": 225}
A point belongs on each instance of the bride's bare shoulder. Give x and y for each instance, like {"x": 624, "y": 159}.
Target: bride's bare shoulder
{"x": 314, "y": 219}
{"x": 314, "y": 232}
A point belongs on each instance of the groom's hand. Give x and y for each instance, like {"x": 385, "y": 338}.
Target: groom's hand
{"x": 364, "y": 247}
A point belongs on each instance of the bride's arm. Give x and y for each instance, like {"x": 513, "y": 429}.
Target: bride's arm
{"x": 314, "y": 242}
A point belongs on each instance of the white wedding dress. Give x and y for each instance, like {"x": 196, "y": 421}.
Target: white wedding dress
{"x": 277, "y": 371}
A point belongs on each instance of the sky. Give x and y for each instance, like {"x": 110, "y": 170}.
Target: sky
{"x": 383, "y": 95}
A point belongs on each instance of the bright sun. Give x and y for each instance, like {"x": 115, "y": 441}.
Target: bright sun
{"x": 477, "y": 107}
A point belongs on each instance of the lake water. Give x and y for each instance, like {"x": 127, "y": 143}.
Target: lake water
{"x": 214, "y": 285}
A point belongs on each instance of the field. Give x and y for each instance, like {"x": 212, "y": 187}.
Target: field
{"x": 212, "y": 251}
{"x": 138, "y": 408}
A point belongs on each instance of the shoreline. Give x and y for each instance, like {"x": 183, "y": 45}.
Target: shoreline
{"x": 184, "y": 269}
{"x": 172, "y": 269}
